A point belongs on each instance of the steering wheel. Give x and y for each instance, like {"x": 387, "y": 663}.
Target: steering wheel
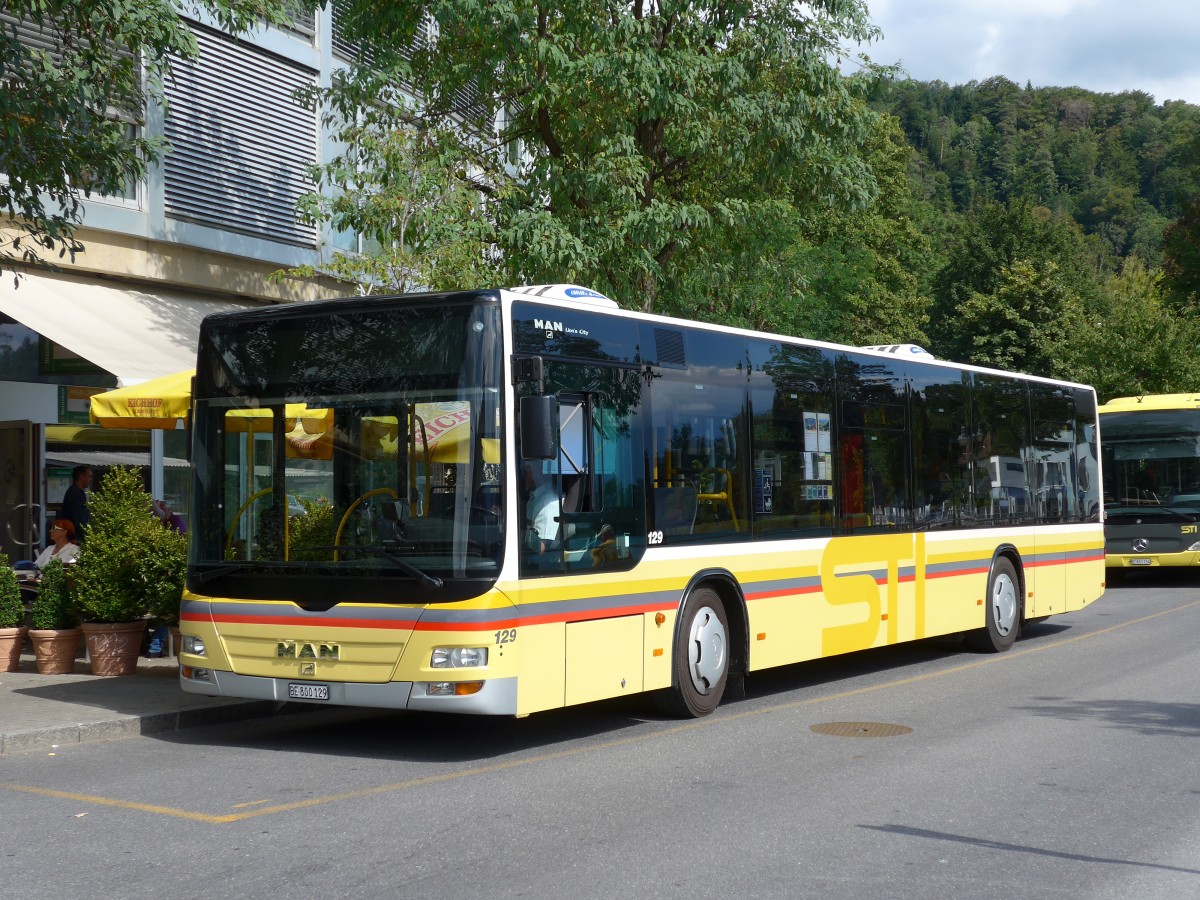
{"x": 355, "y": 505}
{"x": 490, "y": 515}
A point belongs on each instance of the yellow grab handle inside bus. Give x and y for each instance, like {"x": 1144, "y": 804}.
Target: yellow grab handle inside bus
{"x": 337, "y": 541}
{"x": 238, "y": 515}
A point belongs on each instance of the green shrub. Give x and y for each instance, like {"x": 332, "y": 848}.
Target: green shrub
{"x": 130, "y": 564}
{"x": 53, "y": 607}
{"x": 164, "y": 571}
{"x": 12, "y": 612}
{"x": 316, "y": 528}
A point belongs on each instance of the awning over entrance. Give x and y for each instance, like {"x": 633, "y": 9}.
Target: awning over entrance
{"x": 135, "y": 333}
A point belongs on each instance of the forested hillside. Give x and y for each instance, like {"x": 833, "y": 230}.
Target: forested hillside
{"x": 1065, "y": 227}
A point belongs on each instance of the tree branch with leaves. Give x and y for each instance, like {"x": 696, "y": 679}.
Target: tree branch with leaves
{"x": 77, "y": 76}
{"x": 603, "y": 130}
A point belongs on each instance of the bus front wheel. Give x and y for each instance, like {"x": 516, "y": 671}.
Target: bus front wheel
{"x": 700, "y": 661}
{"x": 1003, "y": 610}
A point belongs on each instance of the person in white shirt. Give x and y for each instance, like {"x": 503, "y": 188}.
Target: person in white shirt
{"x": 62, "y": 544}
{"x": 543, "y": 507}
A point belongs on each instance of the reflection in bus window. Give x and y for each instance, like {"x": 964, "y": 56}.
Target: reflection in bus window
{"x": 791, "y": 397}
{"x": 872, "y": 445}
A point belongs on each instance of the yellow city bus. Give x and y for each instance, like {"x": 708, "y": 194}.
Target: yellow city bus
{"x": 1151, "y": 453}
{"x": 506, "y": 501}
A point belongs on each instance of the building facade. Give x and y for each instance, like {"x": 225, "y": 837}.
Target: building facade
{"x": 200, "y": 234}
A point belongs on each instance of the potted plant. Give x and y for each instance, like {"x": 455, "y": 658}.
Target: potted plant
{"x": 12, "y": 618}
{"x": 55, "y": 622}
{"x": 114, "y": 583}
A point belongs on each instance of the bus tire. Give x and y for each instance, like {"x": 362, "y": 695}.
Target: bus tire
{"x": 1003, "y": 610}
{"x": 700, "y": 660}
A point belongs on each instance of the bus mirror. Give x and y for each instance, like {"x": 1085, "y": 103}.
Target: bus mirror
{"x": 530, "y": 368}
{"x": 539, "y": 426}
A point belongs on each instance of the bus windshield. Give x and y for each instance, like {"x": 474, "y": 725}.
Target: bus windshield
{"x": 1152, "y": 460}
{"x": 354, "y": 454}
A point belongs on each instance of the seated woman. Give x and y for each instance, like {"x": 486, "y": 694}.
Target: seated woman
{"x": 62, "y": 544}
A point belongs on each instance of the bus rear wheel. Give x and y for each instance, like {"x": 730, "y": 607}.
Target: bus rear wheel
{"x": 700, "y": 661}
{"x": 1003, "y": 613}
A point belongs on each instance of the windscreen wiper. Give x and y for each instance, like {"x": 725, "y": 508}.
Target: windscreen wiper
{"x": 205, "y": 577}
{"x": 430, "y": 581}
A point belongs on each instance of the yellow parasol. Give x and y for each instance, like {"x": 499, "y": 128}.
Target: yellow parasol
{"x": 162, "y": 402}
{"x": 308, "y": 431}
{"x": 166, "y": 402}
{"x": 447, "y": 426}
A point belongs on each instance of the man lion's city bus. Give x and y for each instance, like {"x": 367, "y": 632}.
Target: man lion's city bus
{"x": 1151, "y": 451}
{"x": 506, "y": 501}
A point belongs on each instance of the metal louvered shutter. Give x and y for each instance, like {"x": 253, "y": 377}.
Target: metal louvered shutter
{"x": 32, "y": 35}
{"x": 240, "y": 145}
{"x": 47, "y": 37}
{"x": 342, "y": 45}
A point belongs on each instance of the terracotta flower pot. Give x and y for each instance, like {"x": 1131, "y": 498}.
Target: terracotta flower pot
{"x": 113, "y": 647}
{"x": 55, "y": 649}
{"x": 11, "y": 640}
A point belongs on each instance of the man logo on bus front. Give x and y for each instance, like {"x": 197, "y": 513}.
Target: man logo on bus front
{"x": 306, "y": 650}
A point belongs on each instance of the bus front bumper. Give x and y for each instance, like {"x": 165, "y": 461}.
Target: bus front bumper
{"x": 1182, "y": 559}
{"x": 495, "y": 697}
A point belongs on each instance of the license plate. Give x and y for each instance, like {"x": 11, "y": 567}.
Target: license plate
{"x": 1141, "y": 561}
{"x": 308, "y": 691}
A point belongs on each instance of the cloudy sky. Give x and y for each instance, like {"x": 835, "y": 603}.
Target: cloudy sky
{"x": 1101, "y": 45}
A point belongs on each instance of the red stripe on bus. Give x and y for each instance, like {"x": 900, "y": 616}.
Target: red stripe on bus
{"x": 489, "y": 625}
{"x": 784, "y": 592}
{"x": 581, "y": 615}
{"x": 955, "y": 573}
{"x": 508, "y": 621}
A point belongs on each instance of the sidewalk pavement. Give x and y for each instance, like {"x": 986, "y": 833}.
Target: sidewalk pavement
{"x": 39, "y": 712}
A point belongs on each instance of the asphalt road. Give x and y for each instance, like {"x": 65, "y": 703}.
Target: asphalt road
{"x": 1064, "y": 768}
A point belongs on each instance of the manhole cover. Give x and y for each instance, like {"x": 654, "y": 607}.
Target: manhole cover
{"x": 861, "y": 729}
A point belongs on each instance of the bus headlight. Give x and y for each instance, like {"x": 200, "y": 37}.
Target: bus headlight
{"x": 193, "y": 645}
{"x": 459, "y": 658}
{"x": 1194, "y": 547}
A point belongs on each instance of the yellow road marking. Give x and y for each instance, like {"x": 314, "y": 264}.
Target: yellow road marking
{"x": 564, "y": 754}
{"x": 251, "y": 803}
{"x": 108, "y": 801}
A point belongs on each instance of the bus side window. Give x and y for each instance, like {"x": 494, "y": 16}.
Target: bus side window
{"x": 792, "y": 466}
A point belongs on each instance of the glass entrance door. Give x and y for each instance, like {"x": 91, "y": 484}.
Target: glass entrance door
{"x": 20, "y": 500}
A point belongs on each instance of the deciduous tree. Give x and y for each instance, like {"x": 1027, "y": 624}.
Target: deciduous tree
{"x": 1181, "y": 259}
{"x": 629, "y": 132}
{"x": 1012, "y": 272}
{"x": 1131, "y": 341}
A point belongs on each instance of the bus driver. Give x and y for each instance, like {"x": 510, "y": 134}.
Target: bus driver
{"x": 543, "y": 507}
